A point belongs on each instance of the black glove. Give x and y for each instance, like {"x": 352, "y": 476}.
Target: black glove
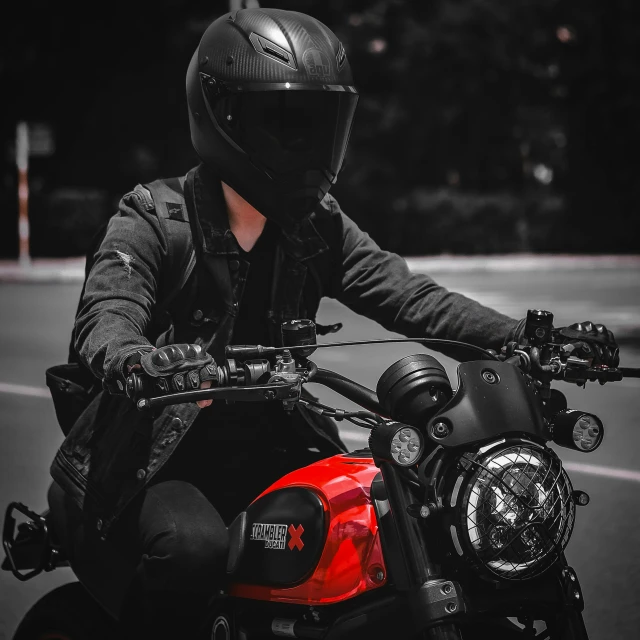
{"x": 179, "y": 367}
{"x": 591, "y": 341}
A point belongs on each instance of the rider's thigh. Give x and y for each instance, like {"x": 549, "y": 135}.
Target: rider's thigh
{"x": 169, "y": 538}
{"x": 181, "y": 540}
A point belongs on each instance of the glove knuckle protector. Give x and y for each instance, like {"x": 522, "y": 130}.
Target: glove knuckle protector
{"x": 179, "y": 367}
{"x": 591, "y": 341}
{"x": 174, "y": 358}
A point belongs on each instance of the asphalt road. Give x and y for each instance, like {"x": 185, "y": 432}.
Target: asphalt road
{"x": 35, "y": 321}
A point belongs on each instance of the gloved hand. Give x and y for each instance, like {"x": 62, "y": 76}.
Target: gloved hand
{"x": 180, "y": 367}
{"x": 591, "y": 341}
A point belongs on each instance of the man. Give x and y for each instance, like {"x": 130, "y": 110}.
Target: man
{"x": 271, "y": 103}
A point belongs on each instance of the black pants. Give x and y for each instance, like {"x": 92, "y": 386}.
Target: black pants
{"x": 179, "y": 544}
{"x": 165, "y": 557}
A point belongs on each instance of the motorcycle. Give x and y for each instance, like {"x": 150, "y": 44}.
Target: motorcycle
{"x": 451, "y": 524}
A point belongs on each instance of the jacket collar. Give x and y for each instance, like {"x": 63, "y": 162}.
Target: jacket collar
{"x": 301, "y": 241}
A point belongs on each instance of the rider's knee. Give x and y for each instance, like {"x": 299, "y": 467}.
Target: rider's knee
{"x": 189, "y": 550}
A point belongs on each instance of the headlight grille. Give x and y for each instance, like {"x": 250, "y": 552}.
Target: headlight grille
{"x": 517, "y": 511}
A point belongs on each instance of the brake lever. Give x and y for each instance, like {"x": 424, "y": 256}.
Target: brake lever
{"x": 592, "y": 375}
{"x": 261, "y": 393}
{"x": 562, "y": 366}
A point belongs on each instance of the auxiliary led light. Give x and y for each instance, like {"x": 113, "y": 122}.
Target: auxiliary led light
{"x": 396, "y": 442}
{"x": 577, "y": 430}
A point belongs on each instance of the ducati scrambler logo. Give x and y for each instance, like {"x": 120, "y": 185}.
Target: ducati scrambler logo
{"x": 275, "y": 535}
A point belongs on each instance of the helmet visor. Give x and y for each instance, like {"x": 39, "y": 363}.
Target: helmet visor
{"x": 288, "y": 131}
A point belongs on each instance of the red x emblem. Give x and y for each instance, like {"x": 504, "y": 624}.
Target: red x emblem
{"x": 296, "y": 537}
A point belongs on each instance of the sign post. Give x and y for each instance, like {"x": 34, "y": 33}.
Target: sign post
{"x": 22, "y": 161}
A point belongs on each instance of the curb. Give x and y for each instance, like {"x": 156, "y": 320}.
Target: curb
{"x": 72, "y": 269}
{"x": 43, "y": 271}
{"x": 521, "y": 262}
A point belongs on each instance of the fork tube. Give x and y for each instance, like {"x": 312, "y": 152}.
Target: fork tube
{"x": 568, "y": 625}
{"x": 443, "y": 632}
{"x": 419, "y": 567}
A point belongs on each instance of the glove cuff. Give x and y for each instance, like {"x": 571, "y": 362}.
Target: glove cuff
{"x": 115, "y": 379}
{"x": 517, "y": 333}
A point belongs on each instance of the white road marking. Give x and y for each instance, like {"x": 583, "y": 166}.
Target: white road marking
{"x": 607, "y": 472}
{"x": 24, "y": 390}
{"x": 360, "y": 439}
{"x": 519, "y": 262}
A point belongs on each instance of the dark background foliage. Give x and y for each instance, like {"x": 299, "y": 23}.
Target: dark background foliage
{"x": 484, "y": 126}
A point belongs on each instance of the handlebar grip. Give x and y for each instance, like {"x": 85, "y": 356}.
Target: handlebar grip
{"x": 630, "y": 372}
{"x": 141, "y": 384}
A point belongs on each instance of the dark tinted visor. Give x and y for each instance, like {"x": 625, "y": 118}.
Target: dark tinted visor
{"x": 288, "y": 131}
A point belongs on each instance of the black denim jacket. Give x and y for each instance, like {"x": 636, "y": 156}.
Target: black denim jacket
{"x": 113, "y": 450}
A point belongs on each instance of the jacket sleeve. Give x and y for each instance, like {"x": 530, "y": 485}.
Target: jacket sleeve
{"x": 379, "y": 285}
{"x": 120, "y": 290}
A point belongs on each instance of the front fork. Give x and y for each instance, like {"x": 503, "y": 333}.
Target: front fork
{"x": 569, "y": 623}
{"x": 432, "y": 600}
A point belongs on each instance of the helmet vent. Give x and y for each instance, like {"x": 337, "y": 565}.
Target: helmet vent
{"x": 272, "y": 50}
{"x": 341, "y": 57}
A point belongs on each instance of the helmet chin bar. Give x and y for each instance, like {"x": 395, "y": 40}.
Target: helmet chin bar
{"x": 286, "y": 208}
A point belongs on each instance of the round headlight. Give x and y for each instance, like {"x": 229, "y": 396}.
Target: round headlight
{"x": 516, "y": 511}
{"x": 396, "y": 442}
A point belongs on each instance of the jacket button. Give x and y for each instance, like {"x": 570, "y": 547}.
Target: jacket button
{"x": 176, "y": 423}
{"x": 99, "y": 524}
{"x": 234, "y": 265}
{"x": 197, "y": 315}
{"x": 140, "y": 474}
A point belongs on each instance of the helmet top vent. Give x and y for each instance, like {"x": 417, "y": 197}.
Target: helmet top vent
{"x": 272, "y": 50}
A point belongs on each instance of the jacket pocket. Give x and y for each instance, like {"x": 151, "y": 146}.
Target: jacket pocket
{"x": 72, "y": 388}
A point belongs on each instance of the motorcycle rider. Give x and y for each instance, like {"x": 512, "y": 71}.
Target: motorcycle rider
{"x": 143, "y": 504}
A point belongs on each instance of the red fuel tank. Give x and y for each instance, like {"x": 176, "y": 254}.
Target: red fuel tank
{"x": 349, "y": 555}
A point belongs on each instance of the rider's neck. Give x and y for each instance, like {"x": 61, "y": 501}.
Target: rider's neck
{"x": 246, "y": 222}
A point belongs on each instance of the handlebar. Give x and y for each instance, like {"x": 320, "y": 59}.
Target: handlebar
{"x": 351, "y": 390}
{"x": 280, "y": 377}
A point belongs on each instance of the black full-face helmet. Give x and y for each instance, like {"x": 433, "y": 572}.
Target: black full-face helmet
{"x": 271, "y": 101}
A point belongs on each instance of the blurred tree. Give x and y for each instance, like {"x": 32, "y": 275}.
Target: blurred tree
{"x": 456, "y": 95}
{"x": 600, "y": 54}
{"x": 515, "y": 119}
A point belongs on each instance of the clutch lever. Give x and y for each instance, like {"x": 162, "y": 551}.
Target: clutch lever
{"x": 261, "y": 393}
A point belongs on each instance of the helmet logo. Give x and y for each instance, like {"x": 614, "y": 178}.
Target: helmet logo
{"x": 317, "y": 64}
